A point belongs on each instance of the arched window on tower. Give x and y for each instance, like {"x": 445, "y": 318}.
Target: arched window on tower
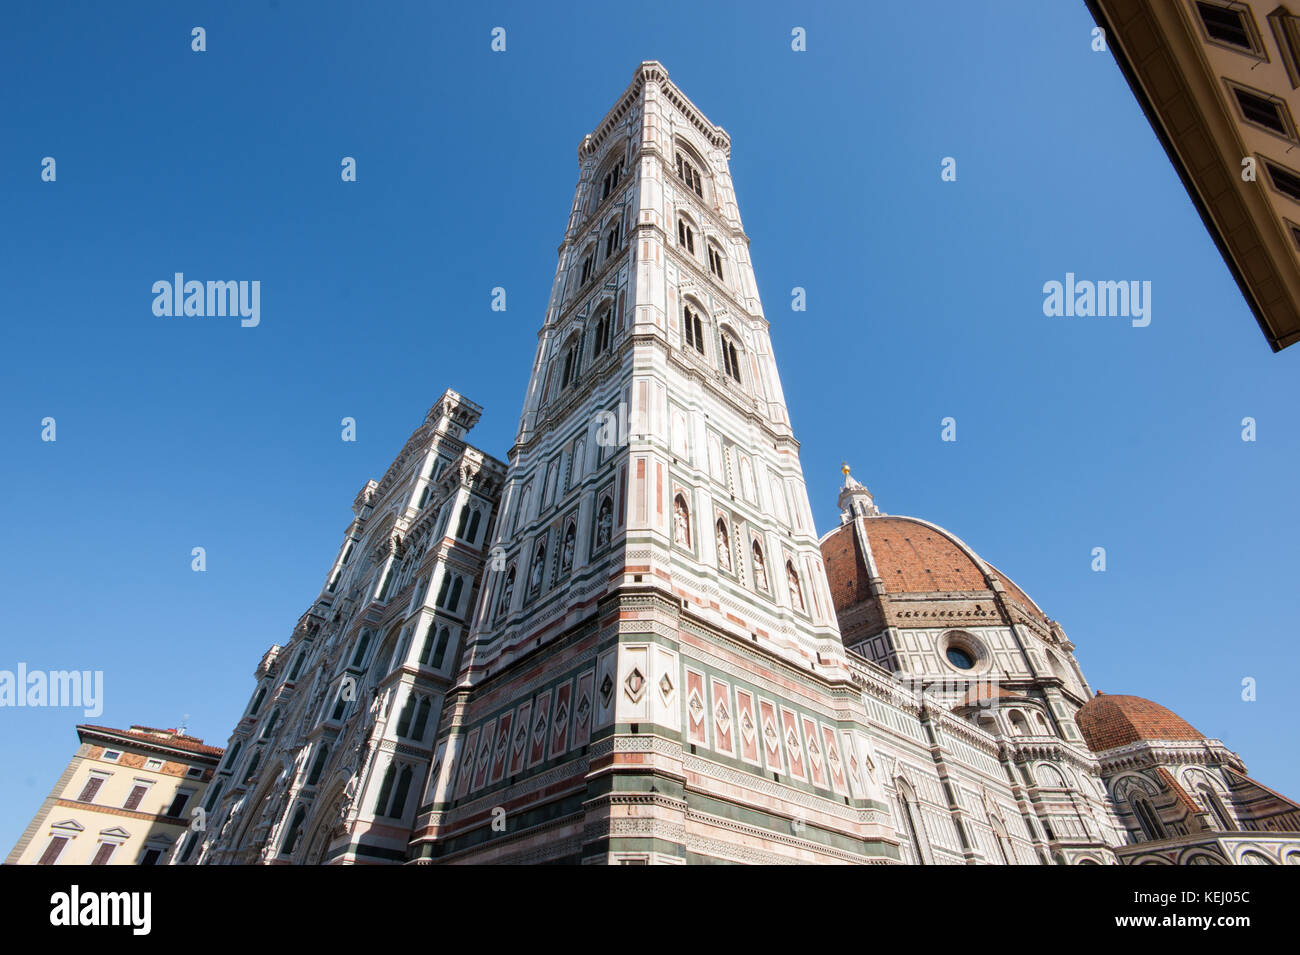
{"x": 588, "y": 266}
{"x": 440, "y": 650}
{"x": 686, "y": 234}
{"x": 688, "y": 171}
{"x": 421, "y": 719}
{"x": 472, "y": 534}
{"x": 602, "y": 333}
{"x": 730, "y": 358}
{"x": 692, "y": 329}
{"x": 611, "y": 179}
{"x": 715, "y": 260}
{"x": 614, "y": 239}
{"x": 385, "y": 789}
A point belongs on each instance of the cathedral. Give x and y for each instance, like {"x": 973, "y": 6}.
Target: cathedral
{"x": 628, "y": 644}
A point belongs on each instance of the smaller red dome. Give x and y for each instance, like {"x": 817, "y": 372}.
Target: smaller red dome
{"x": 1108, "y": 721}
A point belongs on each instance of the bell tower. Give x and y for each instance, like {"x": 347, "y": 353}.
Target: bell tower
{"x": 655, "y": 585}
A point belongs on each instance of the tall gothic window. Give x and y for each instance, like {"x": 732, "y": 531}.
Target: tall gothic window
{"x": 1147, "y": 818}
{"x": 362, "y": 645}
{"x": 611, "y": 180}
{"x": 473, "y": 526}
{"x": 685, "y": 235}
{"x": 602, "y": 333}
{"x": 421, "y": 719}
{"x": 398, "y": 806}
{"x": 570, "y": 367}
{"x": 440, "y": 649}
{"x": 1216, "y": 807}
{"x": 588, "y": 261}
{"x": 318, "y": 765}
{"x": 692, "y": 329}
{"x": 689, "y": 174}
{"x": 730, "y": 358}
{"x": 295, "y": 827}
{"x": 614, "y": 240}
{"x": 715, "y": 261}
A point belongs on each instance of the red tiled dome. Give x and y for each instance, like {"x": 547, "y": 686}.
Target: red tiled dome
{"x": 1108, "y": 721}
{"x": 912, "y": 557}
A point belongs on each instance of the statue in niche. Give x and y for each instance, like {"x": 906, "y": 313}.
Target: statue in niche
{"x": 760, "y": 569}
{"x": 796, "y": 592}
{"x": 508, "y": 591}
{"x": 681, "y": 523}
{"x": 566, "y": 554}
{"x": 539, "y": 561}
{"x": 604, "y": 524}
{"x": 724, "y": 547}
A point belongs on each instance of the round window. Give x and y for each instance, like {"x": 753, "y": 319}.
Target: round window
{"x": 960, "y": 658}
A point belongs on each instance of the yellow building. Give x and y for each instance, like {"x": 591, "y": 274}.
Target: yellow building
{"x": 1219, "y": 81}
{"x": 126, "y": 798}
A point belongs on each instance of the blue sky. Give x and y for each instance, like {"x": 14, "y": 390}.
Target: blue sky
{"x": 924, "y": 301}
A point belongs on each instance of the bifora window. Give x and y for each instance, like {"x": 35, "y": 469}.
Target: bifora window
{"x": 693, "y": 329}
{"x": 715, "y": 262}
{"x": 689, "y": 174}
{"x": 611, "y": 180}
{"x": 685, "y": 235}
{"x": 730, "y": 359}
{"x": 602, "y": 334}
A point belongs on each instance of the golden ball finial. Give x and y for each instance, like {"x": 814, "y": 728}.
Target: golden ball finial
{"x": 845, "y": 468}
